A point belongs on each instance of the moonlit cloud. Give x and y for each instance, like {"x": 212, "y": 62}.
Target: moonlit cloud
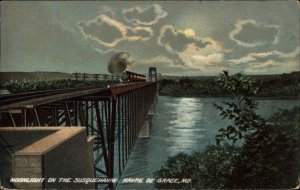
{"x": 249, "y": 33}
{"x": 193, "y": 51}
{"x": 271, "y": 66}
{"x": 148, "y": 15}
{"x": 139, "y": 33}
{"x": 175, "y": 40}
{"x": 163, "y": 59}
{"x": 195, "y": 58}
{"x": 163, "y": 64}
{"x": 109, "y": 32}
{"x": 262, "y": 61}
{"x": 276, "y": 55}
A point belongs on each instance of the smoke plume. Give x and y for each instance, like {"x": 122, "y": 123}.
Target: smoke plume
{"x": 119, "y": 63}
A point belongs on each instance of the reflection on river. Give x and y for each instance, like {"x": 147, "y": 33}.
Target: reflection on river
{"x": 182, "y": 124}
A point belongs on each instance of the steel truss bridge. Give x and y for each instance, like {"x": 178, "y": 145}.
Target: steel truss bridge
{"x": 115, "y": 115}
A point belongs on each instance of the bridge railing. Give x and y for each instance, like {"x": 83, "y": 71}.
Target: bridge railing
{"x": 126, "y": 110}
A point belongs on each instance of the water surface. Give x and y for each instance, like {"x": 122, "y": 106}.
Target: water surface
{"x": 182, "y": 125}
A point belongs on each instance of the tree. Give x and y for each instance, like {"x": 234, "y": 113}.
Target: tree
{"x": 270, "y": 153}
{"x": 241, "y": 111}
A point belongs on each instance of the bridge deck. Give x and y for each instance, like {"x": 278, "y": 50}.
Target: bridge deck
{"x": 33, "y": 101}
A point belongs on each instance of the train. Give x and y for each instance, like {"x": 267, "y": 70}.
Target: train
{"x": 129, "y": 76}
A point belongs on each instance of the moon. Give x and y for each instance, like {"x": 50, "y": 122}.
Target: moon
{"x": 189, "y": 33}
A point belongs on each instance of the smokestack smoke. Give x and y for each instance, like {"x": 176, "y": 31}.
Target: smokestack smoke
{"x": 119, "y": 63}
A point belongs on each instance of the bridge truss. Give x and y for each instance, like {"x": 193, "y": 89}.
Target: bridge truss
{"x": 113, "y": 115}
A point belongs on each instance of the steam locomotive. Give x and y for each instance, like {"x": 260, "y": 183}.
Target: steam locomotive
{"x": 129, "y": 76}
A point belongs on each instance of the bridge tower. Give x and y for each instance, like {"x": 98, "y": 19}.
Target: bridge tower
{"x": 152, "y": 74}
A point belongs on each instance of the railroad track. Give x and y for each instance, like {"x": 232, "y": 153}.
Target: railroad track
{"x": 15, "y": 98}
{"x": 10, "y": 101}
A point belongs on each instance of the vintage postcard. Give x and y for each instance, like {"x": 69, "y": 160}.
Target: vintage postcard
{"x": 150, "y": 95}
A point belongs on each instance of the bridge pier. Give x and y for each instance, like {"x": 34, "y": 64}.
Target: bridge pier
{"x": 145, "y": 130}
{"x": 43, "y": 152}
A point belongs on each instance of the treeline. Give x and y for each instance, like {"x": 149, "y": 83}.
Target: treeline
{"x": 14, "y": 86}
{"x": 279, "y": 86}
{"x": 47, "y": 76}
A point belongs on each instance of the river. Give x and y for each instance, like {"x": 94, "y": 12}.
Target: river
{"x": 182, "y": 125}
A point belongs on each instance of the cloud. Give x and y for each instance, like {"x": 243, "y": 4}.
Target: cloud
{"x": 202, "y": 59}
{"x": 272, "y": 66}
{"x": 174, "y": 66}
{"x": 264, "y": 61}
{"x": 105, "y": 51}
{"x": 164, "y": 64}
{"x": 163, "y": 59}
{"x": 175, "y": 40}
{"x": 107, "y": 10}
{"x": 148, "y": 15}
{"x": 269, "y": 55}
{"x": 139, "y": 33}
{"x": 109, "y": 32}
{"x": 194, "y": 52}
{"x": 249, "y": 33}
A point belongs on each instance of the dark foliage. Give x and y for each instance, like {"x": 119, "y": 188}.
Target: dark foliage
{"x": 28, "y": 86}
{"x": 279, "y": 86}
{"x": 270, "y": 158}
{"x": 270, "y": 154}
{"x": 207, "y": 169}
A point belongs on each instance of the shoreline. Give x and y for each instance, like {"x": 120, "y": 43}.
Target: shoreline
{"x": 231, "y": 97}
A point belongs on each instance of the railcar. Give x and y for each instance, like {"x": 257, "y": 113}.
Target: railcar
{"x": 129, "y": 76}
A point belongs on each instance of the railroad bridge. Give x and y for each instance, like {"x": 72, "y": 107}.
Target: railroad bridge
{"x": 112, "y": 117}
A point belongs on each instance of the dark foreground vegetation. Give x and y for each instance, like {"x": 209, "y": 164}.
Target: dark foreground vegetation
{"x": 267, "y": 155}
{"x": 276, "y": 86}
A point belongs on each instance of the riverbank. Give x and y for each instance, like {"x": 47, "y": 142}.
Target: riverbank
{"x": 231, "y": 97}
{"x": 275, "y": 89}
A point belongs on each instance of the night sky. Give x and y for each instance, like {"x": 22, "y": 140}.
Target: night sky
{"x": 179, "y": 38}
